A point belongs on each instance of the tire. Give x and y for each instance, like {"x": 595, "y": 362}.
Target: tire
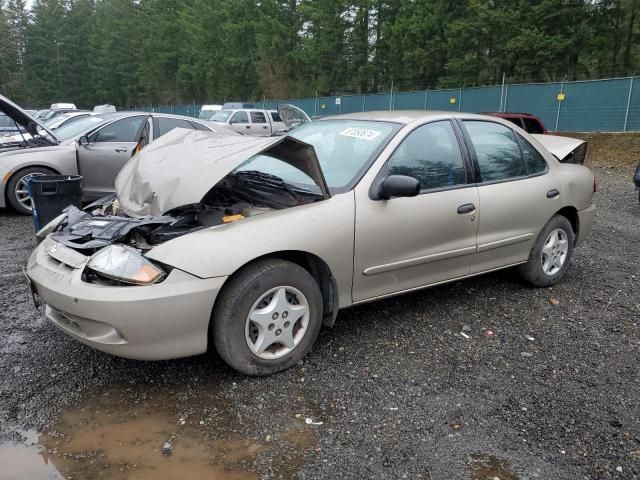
{"x": 271, "y": 291}
{"x": 541, "y": 273}
{"x": 16, "y": 182}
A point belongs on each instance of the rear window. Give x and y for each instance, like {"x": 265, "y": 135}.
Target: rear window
{"x": 532, "y": 125}
{"x": 515, "y": 121}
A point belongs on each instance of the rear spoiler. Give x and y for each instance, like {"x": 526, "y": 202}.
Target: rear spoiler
{"x": 565, "y": 149}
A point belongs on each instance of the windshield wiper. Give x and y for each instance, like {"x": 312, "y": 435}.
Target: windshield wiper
{"x": 270, "y": 180}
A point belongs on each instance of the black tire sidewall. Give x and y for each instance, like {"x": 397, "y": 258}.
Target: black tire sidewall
{"x": 13, "y": 181}
{"x": 238, "y": 297}
{"x": 532, "y": 270}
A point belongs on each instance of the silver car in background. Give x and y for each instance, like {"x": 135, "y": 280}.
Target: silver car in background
{"x": 96, "y": 147}
{"x": 258, "y": 242}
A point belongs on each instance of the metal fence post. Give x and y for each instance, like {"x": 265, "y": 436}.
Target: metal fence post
{"x": 426, "y": 98}
{"x": 559, "y": 104}
{"x": 459, "y": 99}
{"x": 391, "y": 99}
{"x": 626, "y": 114}
{"x": 364, "y": 102}
{"x": 506, "y": 96}
{"x": 501, "y": 93}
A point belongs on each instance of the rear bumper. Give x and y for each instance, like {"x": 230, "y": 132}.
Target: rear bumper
{"x": 161, "y": 321}
{"x": 585, "y": 222}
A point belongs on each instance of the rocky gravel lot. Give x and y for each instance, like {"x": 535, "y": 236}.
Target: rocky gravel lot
{"x": 547, "y": 384}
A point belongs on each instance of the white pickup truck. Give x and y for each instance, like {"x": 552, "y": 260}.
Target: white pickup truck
{"x": 250, "y": 121}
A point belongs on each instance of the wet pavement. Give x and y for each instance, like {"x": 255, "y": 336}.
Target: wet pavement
{"x": 133, "y": 433}
{"x": 543, "y": 384}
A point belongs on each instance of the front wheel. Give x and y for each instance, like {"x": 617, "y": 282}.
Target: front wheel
{"x": 551, "y": 253}
{"x": 17, "y": 192}
{"x": 267, "y": 317}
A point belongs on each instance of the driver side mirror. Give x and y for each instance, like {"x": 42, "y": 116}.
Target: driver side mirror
{"x": 398, "y": 186}
{"x": 83, "y": 140}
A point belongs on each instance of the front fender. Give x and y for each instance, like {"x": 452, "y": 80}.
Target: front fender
{"x": 60, "y": 158}
{"x": 324, "y": 229}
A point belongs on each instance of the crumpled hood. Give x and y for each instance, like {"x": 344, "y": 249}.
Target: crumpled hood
{"x": 561, "y": 147}
{"x": 182, "y": 166}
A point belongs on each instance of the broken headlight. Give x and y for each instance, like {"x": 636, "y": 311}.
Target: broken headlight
{"x": 125, "y": 264}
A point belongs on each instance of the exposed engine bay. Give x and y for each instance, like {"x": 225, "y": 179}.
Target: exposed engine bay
{"x": 237, "y": 196}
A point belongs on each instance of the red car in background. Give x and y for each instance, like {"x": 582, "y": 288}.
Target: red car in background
{"x": 526, "y": 121}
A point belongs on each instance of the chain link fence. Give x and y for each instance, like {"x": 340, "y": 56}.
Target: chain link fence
{"x": 607, "y": 105}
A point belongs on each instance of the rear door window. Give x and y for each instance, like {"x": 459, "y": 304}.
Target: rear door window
{"x": 258, "y": 117}
{"x": 497, "y": 151}
{"x": 165, "y": 125}
{"x": 532, "y": 125}
{"x": 533, "y": 159}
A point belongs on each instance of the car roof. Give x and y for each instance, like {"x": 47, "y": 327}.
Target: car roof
{"x": 248, "y": 109}
{"x": 404, "y": 116}
{"x": 508, "y": 114}
{"x": 123, "y": 114}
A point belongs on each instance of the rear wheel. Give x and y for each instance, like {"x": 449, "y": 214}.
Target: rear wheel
{"x": 17, "y": 193}
{"x": 551, "y": 253}
{"x": 267, "y": 317}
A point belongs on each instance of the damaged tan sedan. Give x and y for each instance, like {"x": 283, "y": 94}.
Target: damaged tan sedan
{"x": 250, "y": 245}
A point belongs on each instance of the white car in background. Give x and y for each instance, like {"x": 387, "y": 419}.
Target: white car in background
{"x": 52, "y": 124}
{"x": 250, "y": 121}
{"x": 96, "y": 147}
{"x": 208, "y": 111}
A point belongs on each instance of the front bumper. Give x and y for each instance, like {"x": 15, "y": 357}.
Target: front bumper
{"x": 166, "y": 320}
{"x": 585, "y": 222}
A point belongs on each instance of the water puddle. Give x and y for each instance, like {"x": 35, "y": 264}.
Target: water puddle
{"x": 133, "y": 434}
{"x": 488, "y": 467}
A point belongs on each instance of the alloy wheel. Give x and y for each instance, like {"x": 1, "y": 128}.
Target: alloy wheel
{"x": 554, "y": 252}
{"x": 277, "y": 322}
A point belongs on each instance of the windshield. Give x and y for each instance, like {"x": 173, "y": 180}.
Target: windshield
{"x": 343, "y": 147}
{"x": 51, "y": 121}
{"x": 221, "y": 116}
{"x": 79, "y": 127}
{"x": 207, "y": 114}
{"x": 7, "y": 121}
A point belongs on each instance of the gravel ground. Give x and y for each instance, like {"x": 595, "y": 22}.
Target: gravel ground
{"x": 553, "y": 393}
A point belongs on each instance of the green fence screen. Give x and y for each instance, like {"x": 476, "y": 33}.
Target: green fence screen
{"x": 609, "y": 105}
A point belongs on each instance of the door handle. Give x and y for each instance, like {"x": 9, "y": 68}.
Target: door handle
{"x": 466, "y": 208}
{"x": 248, "y": 126}
{"x": 553, "y": 193}
{"x": 265, "y": 127}
{"x": 121, "y": 149}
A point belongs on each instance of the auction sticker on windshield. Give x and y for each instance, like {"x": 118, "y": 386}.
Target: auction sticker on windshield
{"x": 361, "y": 133}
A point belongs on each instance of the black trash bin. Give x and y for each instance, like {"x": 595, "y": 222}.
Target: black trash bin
{"x": 50, "y": 194}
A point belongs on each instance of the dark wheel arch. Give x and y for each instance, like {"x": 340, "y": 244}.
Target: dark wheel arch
{"x": 313, "y": 264}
